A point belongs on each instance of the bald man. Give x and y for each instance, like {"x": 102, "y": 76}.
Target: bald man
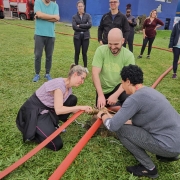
{"x": 107, "y": 64}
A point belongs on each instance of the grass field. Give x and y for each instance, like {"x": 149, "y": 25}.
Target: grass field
{"x": 103, "y": 158}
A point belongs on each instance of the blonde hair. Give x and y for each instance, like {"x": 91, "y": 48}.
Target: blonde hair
{"x": 152, "y": 12}
{"x": 76, "y": 68}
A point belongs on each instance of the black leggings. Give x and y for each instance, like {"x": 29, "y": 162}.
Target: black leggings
{"x": 77, "y": 46}
{"x": 145, "y": 41}
{"x": 176, "y": 54}
{"x": 45, "y": 126}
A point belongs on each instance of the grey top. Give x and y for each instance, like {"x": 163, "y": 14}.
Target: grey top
{"x": 150, "y": 110}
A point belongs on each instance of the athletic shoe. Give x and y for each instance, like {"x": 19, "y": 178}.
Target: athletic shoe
{"x": 36, "y": 78}
{"x": 87, "y": 70}
{"x": 48, "y": 77}
{"x": 148, "y": 57}
{"x": 139, "y": 170}
{"x": 167, "y": 159}
{"x": 174, "y": 76}
{"x": 140, "y": 56}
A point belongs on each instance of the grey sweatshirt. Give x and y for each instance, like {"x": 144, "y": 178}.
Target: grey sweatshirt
{"x": 150, "y": 110}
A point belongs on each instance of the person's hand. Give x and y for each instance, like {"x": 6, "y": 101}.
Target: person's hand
{"x": 112, "y": 100}
{"x": 171, "y": 49}
{"x": 130, "y": 21}
{"x": 87, "y": 109}
{"x": 144, "y": 36}
{"x": 99, "y": 114}
{"x": 100, "y": 42}
{"x": 101, "y": 102}
{"x": 77, "y": 25}
{"x": 35, "y": 17}
{"x": 56, "y": 17}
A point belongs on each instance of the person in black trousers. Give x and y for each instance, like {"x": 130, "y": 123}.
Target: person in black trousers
{"x": 150, "y": 26}
{"x": 174, "y": 46}
{"x": 132, "y": 23}
{"x": 81, "y": 23}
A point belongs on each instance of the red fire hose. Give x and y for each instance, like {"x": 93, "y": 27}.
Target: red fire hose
{"x": 58, "y": 173}
{"x": 39, "y": 147}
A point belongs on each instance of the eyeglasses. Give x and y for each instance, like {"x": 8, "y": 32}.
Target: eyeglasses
{"x": 128, "y": 11}
{"x": 111, "y": 2}
{"x": 82, "y": 78}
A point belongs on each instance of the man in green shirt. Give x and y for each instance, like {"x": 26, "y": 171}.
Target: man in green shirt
{"x": 107, "y": 64}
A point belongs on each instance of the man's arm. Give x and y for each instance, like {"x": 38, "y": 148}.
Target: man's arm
{"x": 96, "y": 80}
{"x": 47, "y": 17}
{"x": 114, "y": 97}
{"x": 100, "y": 31}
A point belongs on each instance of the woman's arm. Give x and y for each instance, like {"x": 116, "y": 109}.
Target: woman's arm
{"x": 88, "y": 24}
{"x": 159, "y": 23}
{"x": 60, "y": 109}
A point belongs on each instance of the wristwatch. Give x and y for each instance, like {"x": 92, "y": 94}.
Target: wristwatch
{"x": 102, "y": 115}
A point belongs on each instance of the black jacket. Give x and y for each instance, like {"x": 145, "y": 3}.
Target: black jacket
{"x": 84, "y": 25}
{"x": 28, "y": 115}
{"x": 175, "y": 35}
{"x": 107, "y": 23}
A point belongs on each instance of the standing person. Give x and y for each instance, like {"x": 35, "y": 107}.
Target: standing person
{"x": 113, "y": 19}
{"x": 174, "y": 46}
{"x": 81, "y": 23}
{"x": 155, "y": 124}
{"x": 149, "y": 32}
{"x": 107, "y": 64}
{"x": 132, "y": 23}
{"x": 47, "y": 13}
{"x": 39, "y": 116}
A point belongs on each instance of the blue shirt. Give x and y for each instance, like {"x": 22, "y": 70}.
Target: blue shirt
{"x": 44, "y": 27}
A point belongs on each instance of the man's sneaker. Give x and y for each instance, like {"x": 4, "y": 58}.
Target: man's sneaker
{"x": 148, "y": 56}
{"x": 139, "y": 170}
{"x": 36, "y": 78}
{"x": 87, "y": 70}
{"x": 174, "y": 76}
{"x": 140, "y": 56}
{"x": 48, "y": 77}
{"x": 167, "y": 159}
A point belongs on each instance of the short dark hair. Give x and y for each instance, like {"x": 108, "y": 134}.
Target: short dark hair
{"x": 133, "y": 73}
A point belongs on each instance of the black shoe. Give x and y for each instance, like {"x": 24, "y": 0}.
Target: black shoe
{"x": 139, "y": 170}
{"x": 148, "y": 56}
{"x": 140, "y": 56}
{"x": 167, "y": 159}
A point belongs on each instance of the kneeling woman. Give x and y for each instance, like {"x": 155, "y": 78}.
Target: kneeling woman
{"x": 39, "y": 116}
{"x": 155, "y": 124}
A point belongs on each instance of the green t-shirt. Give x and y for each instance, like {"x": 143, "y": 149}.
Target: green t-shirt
{"x": 111, "y": 66}
{"x": 44, "y": 27}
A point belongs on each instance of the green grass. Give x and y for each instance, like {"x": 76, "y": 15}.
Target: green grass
{"x": 102, "y": 158}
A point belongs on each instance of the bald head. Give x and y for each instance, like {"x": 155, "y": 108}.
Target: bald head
{"x": 115, "y": 34}
{"x": 115, "y": 41}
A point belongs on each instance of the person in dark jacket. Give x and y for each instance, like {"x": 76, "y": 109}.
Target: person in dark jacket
{"x": 174, "y": 46}
{"x": 132, "y": 23}
{"x": 39, "y": 116}
{"x": 149, "y": 32}
{"x": 81, "y": 23}
{"x": 113, "y": 19}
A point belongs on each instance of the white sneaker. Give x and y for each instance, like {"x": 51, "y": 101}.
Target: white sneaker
{"x": 87, "y": 70}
